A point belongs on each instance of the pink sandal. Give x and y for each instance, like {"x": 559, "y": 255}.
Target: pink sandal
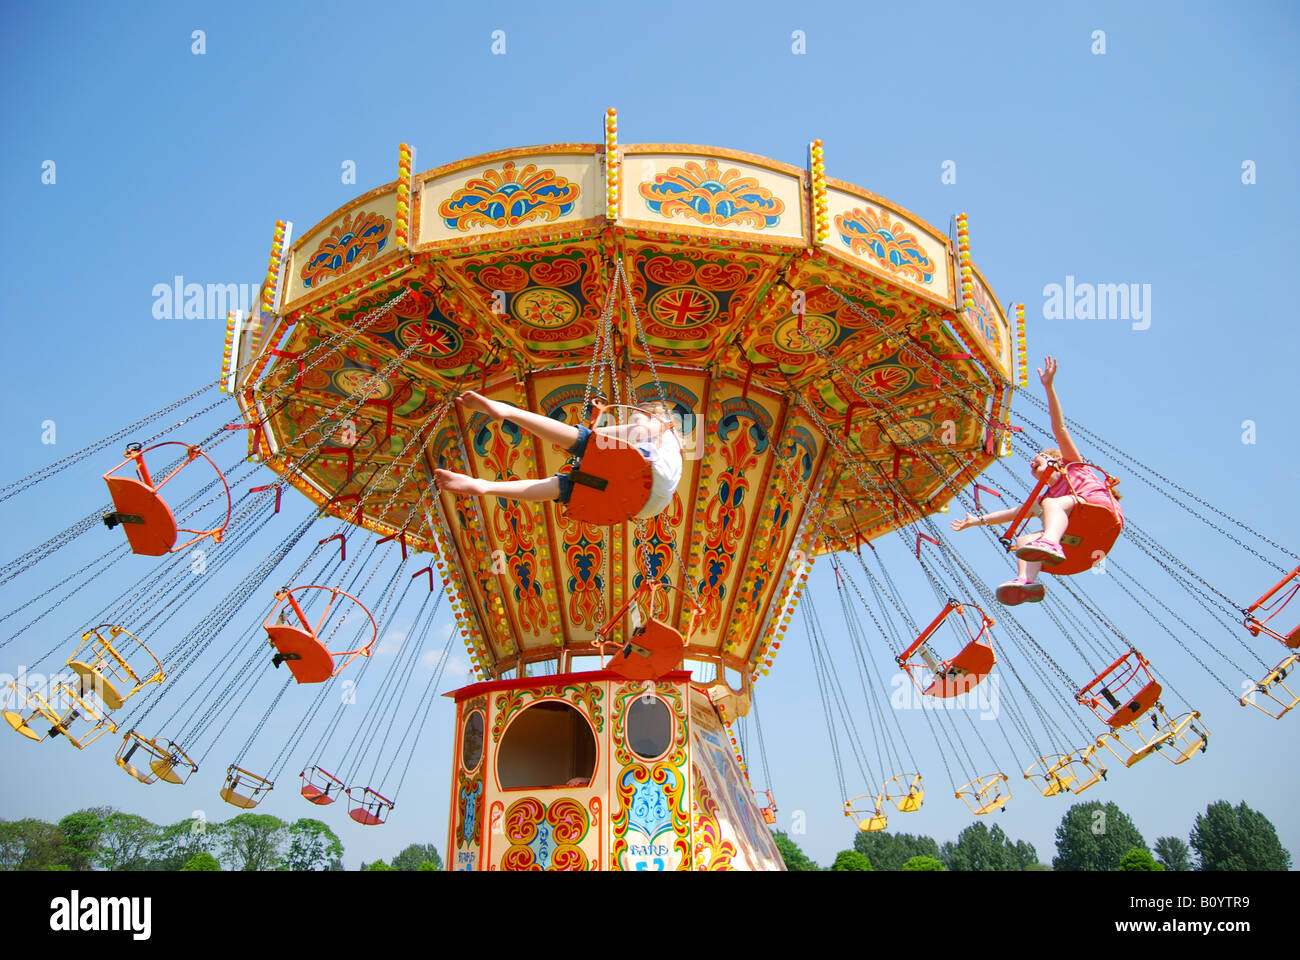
{"x": 1041, "y": 551}
{"x": 1018, "y": 591}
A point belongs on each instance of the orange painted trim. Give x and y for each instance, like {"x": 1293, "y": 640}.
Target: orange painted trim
{"x": 705, "y": 152}
{"x": 509, "y": 153}
{"x": 559, "y": 679}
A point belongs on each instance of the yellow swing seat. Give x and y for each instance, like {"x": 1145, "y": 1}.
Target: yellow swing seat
{"x": 985, "y": 794}
{"x": 870, "y": 816}
{"x": 905, "y": 792}
{"x": 103, "y": 662}
{"x": 244, "y": 789}
{"x": 1274, "y": 689}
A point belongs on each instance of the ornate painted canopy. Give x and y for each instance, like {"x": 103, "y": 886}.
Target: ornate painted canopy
{"x": 799, "y": 327}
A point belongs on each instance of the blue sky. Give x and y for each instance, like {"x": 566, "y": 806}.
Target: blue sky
{"x": 1122, "y": 167}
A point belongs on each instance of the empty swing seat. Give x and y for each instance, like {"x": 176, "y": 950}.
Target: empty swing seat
{"x": 299, "y": 645}
{"x": 321, "y": 787}
{"x": 1291, "y": 585}
{"x": 306, "y": 656}
{"x": 368, "y": 807}
{"x": 1124, "y": 691}
{"x": 244, "y": 789}
{"x": 150, "y": 525}
{"x": 653, "y": 650}
{"x": 962, "y": 672}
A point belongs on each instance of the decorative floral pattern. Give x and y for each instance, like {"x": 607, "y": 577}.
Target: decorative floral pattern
{"x": 545, "y": 838}
{"x": 652, "y": 825}
{"x": 876, "y": 234}
{"x": 348, "y": 244}
{"x": 509, "y": 198}
{"x": 712, "y": 196}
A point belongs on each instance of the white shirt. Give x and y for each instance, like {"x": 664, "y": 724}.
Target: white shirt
{"x": 665, "y": 461}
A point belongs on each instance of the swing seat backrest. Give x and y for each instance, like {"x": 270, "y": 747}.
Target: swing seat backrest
{"x": 299, "y": 649}
{"x": 612, "y": 483}
{"x": 149, "y": 523}
{"x": 1092, "y": 532}
{"x": 653, "y": 650}
{"x": 1135, "y": 706}
{"x": 965, "y": 671}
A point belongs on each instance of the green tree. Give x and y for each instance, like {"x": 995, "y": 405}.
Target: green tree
{"x": 428, "y": 865}
{"x": 1173, "y": 853}
{"x": 201, "y": 861}
{"x": 1038, "y": 868}
{"x": 795, "y": 859}
{"x": 924, "y": 864}
{"x": 28, "y": 844}
{"x": 1139, "y": 859}
{"x": 1237, "y": 838}
{"x": 125, "y": 841}
{"x": 377, "y": 865}
{"x": 252, "y": 841}
{"x": 1094, "y": 836}
{"x": 982, "y": 848}
{"x": 178, "y": 843}
{"x": 890, "y": 851}
{"x": 850, "y": 860}
{"x": 312, "y": 846}
{"x": 81, "y": 831}
{"x": 416, "y": 854}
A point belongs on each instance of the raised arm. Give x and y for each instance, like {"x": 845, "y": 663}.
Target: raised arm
{"x": 1047, "y": 374}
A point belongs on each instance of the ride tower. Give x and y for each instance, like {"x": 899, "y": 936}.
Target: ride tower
{"x": 803, "y": 333}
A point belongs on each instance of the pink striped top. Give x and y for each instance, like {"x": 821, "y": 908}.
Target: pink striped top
{"x": 1088, "y": 484}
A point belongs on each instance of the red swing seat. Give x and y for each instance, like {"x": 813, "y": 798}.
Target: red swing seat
{"x": 959, "y": 674}
{"x": 1127, "y": 689}
{"x": 653, "y": 648}
{"x": 369, "y": 808}
{"x": 612, "y": 482}
{"x": 1257, "y": 626}
{"x": 1091, "y": 532}
{"x": 149, "y": 523}
{"x": 309, "y": 660}
{"x": 320, "y": 786}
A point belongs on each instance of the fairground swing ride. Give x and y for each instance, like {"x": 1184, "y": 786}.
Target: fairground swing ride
{"x": 839, "y": 372}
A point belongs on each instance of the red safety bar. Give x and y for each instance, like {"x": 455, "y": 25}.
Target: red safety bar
{"x": 300, "y": 646}
{"x": 1092, "y": 530}
{"x": 149, "y": 523}
{"x": 1257, "y": 626}
{"x": 959, "y": 674}
{"x": 1126, "y": 688}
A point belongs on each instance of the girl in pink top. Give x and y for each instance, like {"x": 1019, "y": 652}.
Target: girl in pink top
{"x": 1055, "y": 505}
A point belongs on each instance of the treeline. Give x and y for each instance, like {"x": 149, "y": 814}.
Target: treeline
{"x": 1091, "y": 836}
{"x": 101, "y": 838}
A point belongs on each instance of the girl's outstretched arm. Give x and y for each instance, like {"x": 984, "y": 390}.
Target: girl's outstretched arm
{"x": 1047, "y": 374}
